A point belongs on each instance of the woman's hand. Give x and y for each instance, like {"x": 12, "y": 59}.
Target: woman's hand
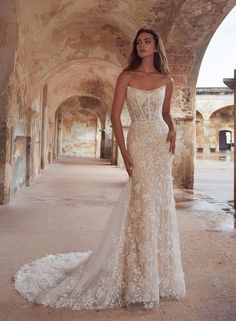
{"x": 171, "y": 137}
{"x": 128, "y": 162}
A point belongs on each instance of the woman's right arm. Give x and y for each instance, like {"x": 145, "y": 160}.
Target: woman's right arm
{"x": 117, "y": 105}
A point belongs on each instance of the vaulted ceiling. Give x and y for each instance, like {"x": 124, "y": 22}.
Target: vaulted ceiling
{"x": 86, "y": 43}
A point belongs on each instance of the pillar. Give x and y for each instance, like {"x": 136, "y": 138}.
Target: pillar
{"x": 43, "y": 131}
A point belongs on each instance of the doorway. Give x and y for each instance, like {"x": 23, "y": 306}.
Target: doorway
{"x": 225, "y": 140}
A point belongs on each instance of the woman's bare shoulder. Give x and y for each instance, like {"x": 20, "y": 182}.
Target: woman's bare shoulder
{"x": 168, "y": 80}
{"x": 124, "y": 77}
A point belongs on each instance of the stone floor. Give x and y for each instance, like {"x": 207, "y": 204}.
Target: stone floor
{"x": 65, "y": 209}
{"x": 214, "y": 175}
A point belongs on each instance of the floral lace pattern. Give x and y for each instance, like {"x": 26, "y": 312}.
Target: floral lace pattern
{"x": 138, "y": 258}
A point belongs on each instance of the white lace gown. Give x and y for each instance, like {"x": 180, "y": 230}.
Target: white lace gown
{"x": 138, "y": 258}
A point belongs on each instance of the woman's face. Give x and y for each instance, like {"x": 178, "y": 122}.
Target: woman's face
{"x": 145, "y": 45}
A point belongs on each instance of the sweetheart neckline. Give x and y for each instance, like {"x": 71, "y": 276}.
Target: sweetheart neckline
{"x": 145, "y": 89}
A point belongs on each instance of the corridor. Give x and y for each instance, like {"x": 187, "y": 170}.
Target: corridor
{"x": 65, "y": 210}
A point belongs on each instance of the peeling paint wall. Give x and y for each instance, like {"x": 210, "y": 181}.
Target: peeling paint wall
{"x": 19, "y": 163}
{"x": 182, "y": 167}
{"x": 220, "y": 120}
{"x": 208, "y": 130}
{"x": 36, "y": 131}
{"x": 8, "y": 36}
{"x": 80, "y": 133}
{"x": 20, "y": 118}
{"x": 14, "y": 99}
{"x": 214, "y": 113}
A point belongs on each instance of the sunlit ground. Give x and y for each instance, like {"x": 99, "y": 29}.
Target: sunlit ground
{"x": 214, "y": 174}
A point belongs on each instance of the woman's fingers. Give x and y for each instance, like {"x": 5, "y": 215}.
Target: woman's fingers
{"x": 168, "y": 137}
{"x": 172, "y": 147}
{"x": 171, "y": 137}
{"x": 130, "y": 167}
{"x": 129, "y": 170}
{"x": 131, "y": 162}
{"x": 128, "y": 163}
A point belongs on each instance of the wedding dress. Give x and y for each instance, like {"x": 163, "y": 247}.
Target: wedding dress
{"x": 138, "y": 258}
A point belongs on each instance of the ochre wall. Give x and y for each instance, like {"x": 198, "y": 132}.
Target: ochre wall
{"x": 79, "y": 133}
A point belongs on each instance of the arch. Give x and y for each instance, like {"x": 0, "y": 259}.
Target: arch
{"x": 225, "y": 109}
{"x": 94, "y": 105}
{"x": 78, "y": 130}
{"x": 79, "y": 49}
{"x": 220, "y": 122}
{"x": 199, "y": 116}
{"x": 87, "y": 79}
{"x": 81, "y": 69}
{"x": 67, "y": 31}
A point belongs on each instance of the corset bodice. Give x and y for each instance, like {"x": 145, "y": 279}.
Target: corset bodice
{"x": 145, "y": 105}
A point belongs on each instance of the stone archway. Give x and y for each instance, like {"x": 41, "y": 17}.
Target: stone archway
{"x": 78, "y": 128}
{"x": 210, "y": 125}
{"x": 86, "y": 80}
{"x": 221, "y": 121}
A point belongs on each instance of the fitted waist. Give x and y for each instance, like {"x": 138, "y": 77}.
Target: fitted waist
{"x": 157, "y": 120}
{"x": 155, "y": 125}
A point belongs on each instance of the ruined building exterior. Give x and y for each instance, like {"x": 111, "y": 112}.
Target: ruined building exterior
{"x": 214, "y": 119}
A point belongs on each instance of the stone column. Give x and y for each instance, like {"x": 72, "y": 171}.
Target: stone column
{"x": 59, "y": 134}
{"x": 108, "y": 139}
{"x": 55, "y": 135}
{"x": 28, "y": 156}
{"x": 4, "y": 166}
{"x": 43, "y": 131}
{"x": 206, "y": 134}
{"x": 102, "y": 146}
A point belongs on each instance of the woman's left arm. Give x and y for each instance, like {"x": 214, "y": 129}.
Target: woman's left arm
{"x": 171, "y": 137}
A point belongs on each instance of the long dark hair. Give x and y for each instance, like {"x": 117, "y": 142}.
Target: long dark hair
{"x": 160, "y": 59}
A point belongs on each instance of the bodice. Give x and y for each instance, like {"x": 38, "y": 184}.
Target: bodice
{"x": 145, "y": 105}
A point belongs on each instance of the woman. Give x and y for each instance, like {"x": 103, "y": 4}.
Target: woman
{"x": 148, "y": 68}
{"x": 138, "y": 259}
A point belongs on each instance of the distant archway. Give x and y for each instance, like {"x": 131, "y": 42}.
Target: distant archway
{"x": 78, "y": 128}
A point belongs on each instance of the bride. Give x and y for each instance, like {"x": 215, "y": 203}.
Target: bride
{"x": 138, "y": 258}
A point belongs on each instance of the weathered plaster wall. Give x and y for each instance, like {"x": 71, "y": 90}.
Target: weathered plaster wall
{"x": 15, "y": 117}
{"x": 208, "y": 100}
{"x": 214, "y": 113}
{"x": 222, "y": 119}
{"x": 200, "y": 137}
{"x": 19, "y": 116}
{"x": 8, "y": 36}
{"x": 21, "y": 119}
{"x": 92, "y": 82}
{"x": 80, "y": 132}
